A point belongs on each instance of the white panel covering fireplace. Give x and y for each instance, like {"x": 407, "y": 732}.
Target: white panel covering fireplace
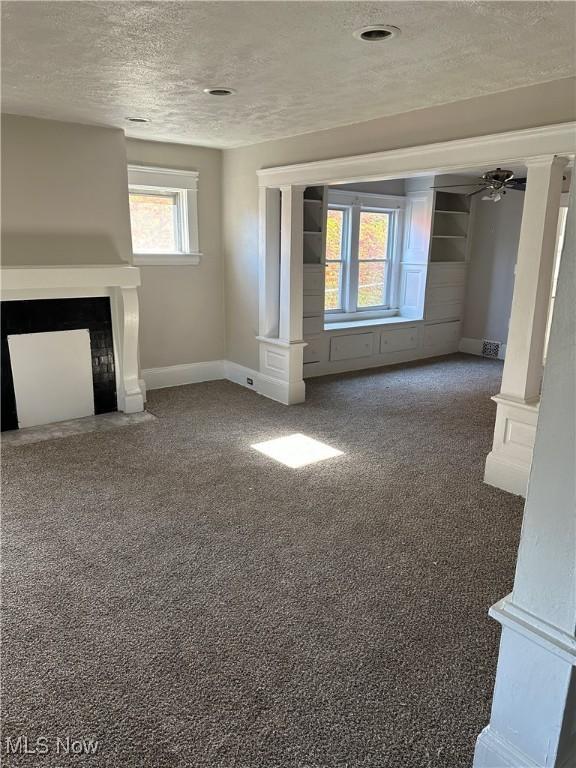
{"x": 114, "y": 365}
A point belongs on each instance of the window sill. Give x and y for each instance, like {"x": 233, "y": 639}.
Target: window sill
{"x": 370, "y": 322}
{"x": 167, "y": 259}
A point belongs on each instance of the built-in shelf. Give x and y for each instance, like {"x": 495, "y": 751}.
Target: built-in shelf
{"x": 449, "y": 228}
{"x": 450, "y": 202}
{"x": 314, "y": 226}
{"x": 314, "y": 194}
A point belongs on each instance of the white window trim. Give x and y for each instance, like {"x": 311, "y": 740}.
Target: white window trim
{"x": 358, "y": 201}
{"x": 173, "y": 180}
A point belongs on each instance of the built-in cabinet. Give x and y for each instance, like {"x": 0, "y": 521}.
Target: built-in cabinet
{"x": 432, "y": 279}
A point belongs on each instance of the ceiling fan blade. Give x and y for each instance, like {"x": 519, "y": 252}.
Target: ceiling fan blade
{"x": 449, "y": 186}
{"x": 477, "y": 192}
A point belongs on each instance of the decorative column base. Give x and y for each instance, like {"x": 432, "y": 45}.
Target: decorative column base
{"x": 281, "y": 369}
{"x": 508, "y": 463}
{"x": 530, "y": 724}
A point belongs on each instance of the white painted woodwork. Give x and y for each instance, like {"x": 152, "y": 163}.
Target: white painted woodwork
{"x": 412, "y": 290}
{"x": 187, "y": 183}
{"x": 314, "y": 279}
{"x": 533, "y": 723}
{"x": 522, "y": 373}
{"x": 313, "y": 325}
{"x": 281, "y": 366}
{"x": 417, "y": 226}
{"x": 313, "y": 349}
{"x": 119, "y": 283}
{"x": 313, "y": 305}
{"x": 446, "y": 274}
{"x": 417, "y": 165}
{"x": 291, "y": 263}
{"x": 444, "y": 310}
{"x": 269, "y": 263}
{"x": 52, "y": 375}
{"x": 281, "y": 274}
{"x": 508, "y": 464}
{"x": 512, "y": 147}
{"x": 475, "y": 347}
{"x": 441, "y": 338}
{"x": 351, "y": 346}
{"x": 445, "y": 294}
{"x": 398, "y": 340}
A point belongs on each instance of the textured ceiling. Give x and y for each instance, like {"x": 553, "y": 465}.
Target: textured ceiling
{"x": 295, "y": 65}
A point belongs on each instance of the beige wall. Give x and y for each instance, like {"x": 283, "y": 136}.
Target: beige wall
{"x": 64, "y": 195}
{"x": 490, "y": 279}
{"x": 182, "y": 308}
{"x": 522, "y": 108}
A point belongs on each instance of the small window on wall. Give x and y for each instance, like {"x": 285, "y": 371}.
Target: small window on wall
{"x": 362, "y": 251}
{"x": 163, "y": 216}
{"x": 159, "y": 220}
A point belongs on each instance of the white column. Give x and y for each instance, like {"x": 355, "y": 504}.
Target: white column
{"x": 269, "y": 262}
{"x": 281, "y": 352}
{"x": 508, "y": 464}
{"x": 533, "y": 721}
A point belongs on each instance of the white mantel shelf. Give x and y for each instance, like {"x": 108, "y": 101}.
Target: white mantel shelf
{"x": 34, "y": 278}
{"x": 117, "y": 281}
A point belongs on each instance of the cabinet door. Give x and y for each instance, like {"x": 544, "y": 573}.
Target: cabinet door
{"x": 399, "y": 340}
{"x": 351, "y": 346}
{"x": 417, "y": 227}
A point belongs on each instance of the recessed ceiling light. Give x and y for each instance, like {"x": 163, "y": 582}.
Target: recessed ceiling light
{"x": 137, "y": 119}
{"x": 219, "y": 91}
{"x": 376, "y": 33}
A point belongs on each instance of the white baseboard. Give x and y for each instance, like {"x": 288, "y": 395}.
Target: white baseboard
{"x": 195, "y": 373}
{"x": 506, "y": 475}
{"x": 474, "y": 347}
{"x": 189, "y": 373}
{"x": 239, "y": 374}
{"x": 492, "y": 751}
{"x": 285, "y": 392}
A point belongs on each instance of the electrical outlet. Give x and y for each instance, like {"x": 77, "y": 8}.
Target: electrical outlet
{"x": 249, "y": 381}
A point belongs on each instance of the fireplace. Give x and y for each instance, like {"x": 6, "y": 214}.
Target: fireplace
{"x": 69, "y": 343}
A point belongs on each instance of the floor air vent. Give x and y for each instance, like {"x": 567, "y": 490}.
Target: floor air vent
{"x": 490, "y": 348}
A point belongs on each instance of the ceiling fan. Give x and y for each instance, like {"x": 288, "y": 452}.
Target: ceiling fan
{"x": 494, "y": 183}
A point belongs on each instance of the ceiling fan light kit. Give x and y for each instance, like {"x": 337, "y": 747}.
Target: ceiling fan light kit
{"x": 495, "y": 183}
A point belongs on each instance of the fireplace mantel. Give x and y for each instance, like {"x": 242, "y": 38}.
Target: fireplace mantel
{"x": 120, "y": 282}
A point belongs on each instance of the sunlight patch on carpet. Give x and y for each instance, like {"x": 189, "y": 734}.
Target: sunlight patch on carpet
{"x": 297, "y": 450}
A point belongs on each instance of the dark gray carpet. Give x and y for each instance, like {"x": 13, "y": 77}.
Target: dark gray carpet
{"x": 187, "y": 601}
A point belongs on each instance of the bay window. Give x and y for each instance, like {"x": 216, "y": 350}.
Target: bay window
{"x": 363, "y": 242}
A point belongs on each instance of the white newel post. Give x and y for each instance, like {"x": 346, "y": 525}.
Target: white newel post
{"x": 508, "y": 464}
{"x": 533, "y": 721}
{"x": 281, "y": 295}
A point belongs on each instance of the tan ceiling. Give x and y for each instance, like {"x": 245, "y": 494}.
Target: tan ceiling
{"x": 296, "y": 66}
